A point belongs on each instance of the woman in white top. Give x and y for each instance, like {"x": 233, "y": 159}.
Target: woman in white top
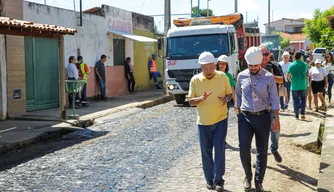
{"x": 287, "y": 83}
{"x": 328, "y": 65}
{"x": 318, "y": 82}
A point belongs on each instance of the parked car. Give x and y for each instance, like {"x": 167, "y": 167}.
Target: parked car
{"x": 318, "y": 53}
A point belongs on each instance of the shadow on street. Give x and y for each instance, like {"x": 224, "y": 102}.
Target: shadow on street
{"x": 13, "y": 158}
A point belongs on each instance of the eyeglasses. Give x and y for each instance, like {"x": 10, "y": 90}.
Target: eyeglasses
{"x": 266, "y": 54}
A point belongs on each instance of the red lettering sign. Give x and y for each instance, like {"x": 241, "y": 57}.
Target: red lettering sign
{"x": 172, "y": 63}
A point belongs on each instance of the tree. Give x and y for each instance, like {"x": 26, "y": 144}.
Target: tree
{"x": 318, "y": 29}
{"x": 284, "y": 42}
{"x": 203, "y": 12}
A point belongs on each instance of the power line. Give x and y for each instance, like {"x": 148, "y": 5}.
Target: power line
{"x": 142, "y": 6}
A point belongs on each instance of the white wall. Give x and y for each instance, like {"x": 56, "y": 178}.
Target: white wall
{"x": 92, "y": 38}
{"x": 3, "y": 79}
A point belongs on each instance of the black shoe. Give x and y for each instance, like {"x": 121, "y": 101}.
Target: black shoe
{"x": 210, "y": 185}
{"x": 219, "y": 187}
{"x": 277, "y": 156}
{"x": 85, "y": 105}
{"x": 247, "y": 183}
{"x": 258, "y": 187}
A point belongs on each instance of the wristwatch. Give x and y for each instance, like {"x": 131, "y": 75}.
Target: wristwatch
{"x": 275, "y": 117}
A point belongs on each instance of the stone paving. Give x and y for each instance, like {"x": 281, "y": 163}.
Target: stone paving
{"x": 154, "y": 150}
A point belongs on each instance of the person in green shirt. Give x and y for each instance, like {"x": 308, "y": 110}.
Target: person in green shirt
{"x": 297, "y": 72}
{"x": 222, "y": 65}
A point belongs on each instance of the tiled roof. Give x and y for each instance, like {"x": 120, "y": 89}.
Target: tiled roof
{"x": 294, "y": 37}
{"x": 10, "y": 22}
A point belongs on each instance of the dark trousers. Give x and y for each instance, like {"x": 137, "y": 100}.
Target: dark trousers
{"x": 248, "y": 125}
{"x": 70, "y": 101}
{"x": 213, "y": 136}
{"x": 84, "y": 94}
{"x": 155, "y": 76}
{"x": 131, "y": 83}
{"x": 330, "y": 85}
{"x": 299, "y": 102}
{"x": 102, "y": 85}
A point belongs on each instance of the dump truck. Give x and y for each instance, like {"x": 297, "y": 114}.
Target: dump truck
{"x": 217, "y": 34}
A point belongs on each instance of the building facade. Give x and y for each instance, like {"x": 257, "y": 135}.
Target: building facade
{"x": 286, "y": 25}
{"x": 28, "y": 63}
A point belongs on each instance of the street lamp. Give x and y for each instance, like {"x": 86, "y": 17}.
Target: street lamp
{"x": 207, "y": 9}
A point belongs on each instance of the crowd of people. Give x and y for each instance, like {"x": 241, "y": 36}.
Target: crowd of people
{"x": 259, "y": 94}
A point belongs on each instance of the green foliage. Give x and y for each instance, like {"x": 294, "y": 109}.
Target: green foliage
{"x": 318, "y": 29}
{"x": 203, "y": 12}
{"x": 284, "y": 42}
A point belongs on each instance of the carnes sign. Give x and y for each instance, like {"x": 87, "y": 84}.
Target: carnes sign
{"x": 119, "y": 20}
{"x": 115, "y": 24}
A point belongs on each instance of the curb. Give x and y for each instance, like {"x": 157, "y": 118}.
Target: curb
{"x": 88, "y": 120}
{"x": 84, "y": 121}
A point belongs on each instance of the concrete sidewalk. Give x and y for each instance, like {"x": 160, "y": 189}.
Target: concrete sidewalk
{"x": 41, "y": 125}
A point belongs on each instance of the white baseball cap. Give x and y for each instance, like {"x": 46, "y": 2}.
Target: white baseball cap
{"x": 206, "y": 58}
{"x": 223, "y": 58}
{"x": 286, "y": 54}
{"x": 317, "y": 61}
{"x": 254, "y": 56}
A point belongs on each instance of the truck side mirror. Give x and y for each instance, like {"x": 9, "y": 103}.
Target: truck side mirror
{"x": 241, "y": 42}
{"x": 159, "y": 43}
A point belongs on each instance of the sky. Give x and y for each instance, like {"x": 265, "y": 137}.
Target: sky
{"x": 251, "y": 9}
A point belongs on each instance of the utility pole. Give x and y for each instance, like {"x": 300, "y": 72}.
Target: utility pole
{"x": 74, "y": 4}
{"x": 191, "y": 8}
{"x": 235, "y": 6}
{"x": 44, "y": 2}
{"x": 207, "y": 8}
{"x": 268, "y": 18}
{"x": 166, "y": 28}
{"x": 198, "y": 10}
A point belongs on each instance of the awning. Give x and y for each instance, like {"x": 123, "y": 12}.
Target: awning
{"x": 135, "y": 37}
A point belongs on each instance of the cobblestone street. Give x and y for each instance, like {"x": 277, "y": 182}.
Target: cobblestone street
{"x": 154, "y": 150}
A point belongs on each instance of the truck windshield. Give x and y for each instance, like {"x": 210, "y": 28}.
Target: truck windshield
{"x": 190, "y": 47}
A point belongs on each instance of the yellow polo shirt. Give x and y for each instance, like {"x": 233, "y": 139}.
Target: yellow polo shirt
{"x": 211, "y": 110}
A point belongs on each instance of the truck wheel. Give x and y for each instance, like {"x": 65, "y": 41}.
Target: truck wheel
{"x": 180, "y": 99}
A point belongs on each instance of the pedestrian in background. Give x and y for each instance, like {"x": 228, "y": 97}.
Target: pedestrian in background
{"x": 256, "y": 94}
{"x": 210, "y": 91}
{"x": 285, "y": 63}
{"x": 101, "y": 76}
{"x": 309, "y": 89}
{"x": 318, "y": 81}
{"x": 328, "y": 65}
{"x": 222, "y": 65}
{"x": 72, "y": 74}
{"x": 276, "y": 70}
{"x": 128, "y": 67}
{"x": 297, "y": 73}
{"x": 153, "y": 68}
{"x": 84, "y": 69}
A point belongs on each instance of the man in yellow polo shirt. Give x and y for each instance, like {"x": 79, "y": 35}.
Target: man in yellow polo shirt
{"x": 210, "y": 91}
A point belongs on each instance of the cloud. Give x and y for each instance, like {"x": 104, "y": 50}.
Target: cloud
{"x": 248, "y": 5}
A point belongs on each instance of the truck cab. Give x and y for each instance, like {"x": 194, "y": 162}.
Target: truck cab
{"x": 183, "y": 46}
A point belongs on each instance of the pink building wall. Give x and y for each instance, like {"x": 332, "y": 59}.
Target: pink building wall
{"x": 116, "y": 83}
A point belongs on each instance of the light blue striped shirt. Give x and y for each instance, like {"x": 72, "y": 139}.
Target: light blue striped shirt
{"x": 265, "y": 89}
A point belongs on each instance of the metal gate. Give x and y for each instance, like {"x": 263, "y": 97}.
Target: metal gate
{"x": 41, "y": 62}
{"x": 119, "y": 52}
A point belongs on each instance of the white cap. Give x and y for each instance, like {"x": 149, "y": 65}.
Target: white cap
{"x": 254, "y": 56}
{"x": 206, "y": 58}
{"x": 286, "y": 54}
{"x": 223, "y": 58}
{"x": 317, "y": 61}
